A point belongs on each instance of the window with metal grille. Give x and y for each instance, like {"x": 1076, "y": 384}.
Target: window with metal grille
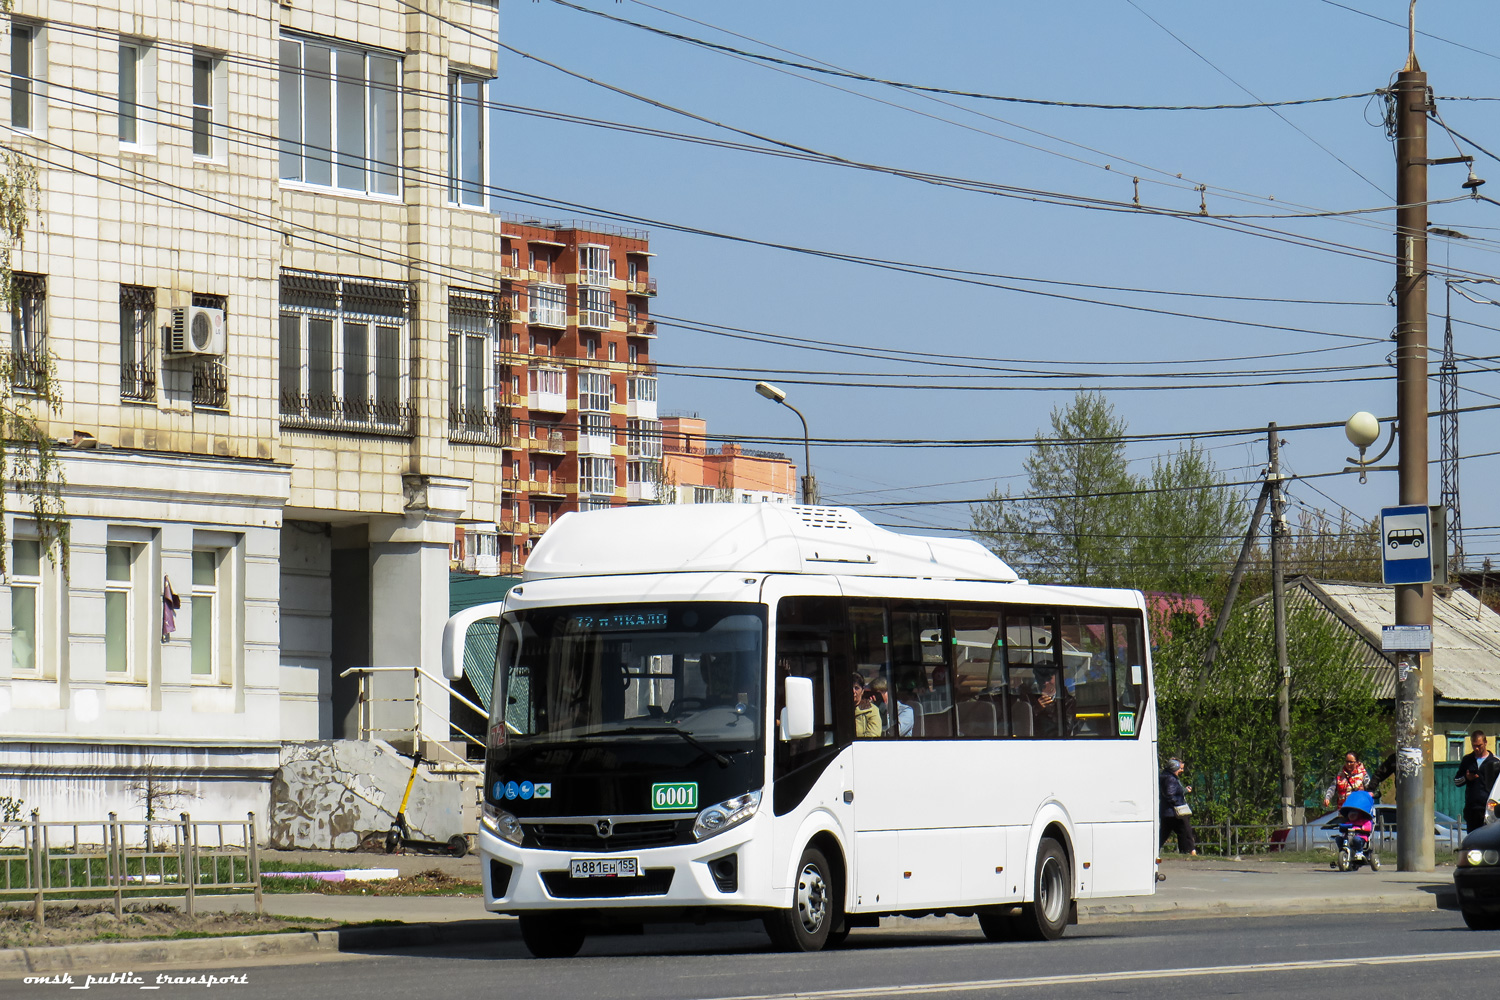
{"x": 340, "y": 116}
{"x": 138, "y": 343}
{"x": 28, "y": 333}
{"x": 475, "y": 381}
{"x": 211, "y": 375}
{"x": 343, "y": 362}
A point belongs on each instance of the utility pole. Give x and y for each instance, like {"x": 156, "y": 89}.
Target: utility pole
{"x": 1414, "y": 850}
{"x": 1278, "y": 605}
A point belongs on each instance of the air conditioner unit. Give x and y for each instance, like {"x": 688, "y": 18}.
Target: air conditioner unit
{"x": 196, "y": 330}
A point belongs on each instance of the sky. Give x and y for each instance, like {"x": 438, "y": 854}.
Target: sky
{"x": 1037, "y": 199}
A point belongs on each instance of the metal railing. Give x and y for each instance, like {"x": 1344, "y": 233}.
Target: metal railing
{"x": 29, "y": 370}
{"x": 336, "y": 413}
{"x": 138, "y": 382}
{"x": 417, "y": 732}
{"x": 468, "y": 425}
{"x": 60, "y": 860}
{"x": 210, "y": 384}
{"x": 1234, "y": 839}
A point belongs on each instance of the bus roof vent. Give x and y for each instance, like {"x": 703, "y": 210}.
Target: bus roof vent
{"x": 824, "y": 517}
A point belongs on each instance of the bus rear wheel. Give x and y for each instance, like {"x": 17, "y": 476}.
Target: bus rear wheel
{"x": 551, "y": 935}
{"x": 1046, "y": 916}
{"x": 816, "y": 907}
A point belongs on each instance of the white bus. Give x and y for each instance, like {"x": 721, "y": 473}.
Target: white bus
{"x": 782, "y": 712}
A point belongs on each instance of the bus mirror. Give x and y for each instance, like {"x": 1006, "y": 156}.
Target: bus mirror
{"x": 456, "y": 635}
{"x": 797, "y": 716}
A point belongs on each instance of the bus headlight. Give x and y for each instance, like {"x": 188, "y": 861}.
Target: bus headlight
{"x": 730, "y": 812}
{"x": 501, "y": 823}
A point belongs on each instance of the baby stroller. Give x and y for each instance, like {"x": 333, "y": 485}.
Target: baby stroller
{"x": 1356, "y": 825}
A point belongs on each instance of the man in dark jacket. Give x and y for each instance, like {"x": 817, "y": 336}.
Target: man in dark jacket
{"x": 1174, "y": 808}
{"x": 1476, "y": 774}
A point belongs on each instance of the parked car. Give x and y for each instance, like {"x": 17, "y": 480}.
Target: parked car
{"x": 1319, "y": 832}
{"x": 1477, "y": 878}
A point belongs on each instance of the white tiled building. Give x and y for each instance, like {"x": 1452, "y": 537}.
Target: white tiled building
{"x": 251, "y": 219}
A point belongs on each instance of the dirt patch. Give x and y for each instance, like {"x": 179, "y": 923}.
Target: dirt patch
{"x": 85, "y": 923}
{"x": 433, "y": 882}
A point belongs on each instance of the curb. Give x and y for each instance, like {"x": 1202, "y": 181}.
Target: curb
{"x": 1150, "y": 908}
{"x": 91, "y": 957}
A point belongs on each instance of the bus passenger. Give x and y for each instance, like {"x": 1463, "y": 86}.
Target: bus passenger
{"x": 866, "y": 715}
{"x": 899, "y": 716}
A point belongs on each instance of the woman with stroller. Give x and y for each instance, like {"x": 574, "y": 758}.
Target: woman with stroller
{"x": 1175, "y": 811}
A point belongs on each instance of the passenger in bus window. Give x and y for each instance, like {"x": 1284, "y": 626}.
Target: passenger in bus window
{"x": 866, "y": 715}
{"x": 897, "y": 716}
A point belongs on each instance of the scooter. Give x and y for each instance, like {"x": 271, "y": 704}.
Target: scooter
{"x": 399, "y": 837}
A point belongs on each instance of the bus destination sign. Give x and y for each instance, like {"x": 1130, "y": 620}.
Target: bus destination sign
{"x": 624, "y": 621}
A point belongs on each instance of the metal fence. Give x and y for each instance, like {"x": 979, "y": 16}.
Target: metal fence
{"x": 1235, "y": 839}
{"x": 117, "y": 858}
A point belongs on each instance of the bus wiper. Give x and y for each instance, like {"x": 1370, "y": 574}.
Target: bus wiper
{"x": 722, "y": 760}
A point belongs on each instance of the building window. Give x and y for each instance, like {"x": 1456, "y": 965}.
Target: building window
{"x": 28, "y": 332}
{"x": 703, "y": 494}
{"x": 593, "y": 265}
{"x": 211, "y": 374}
{"x": 27, "y": 72}
{"x": 643, "y": 438}
{"x": 210, "y": 104}
{"x": 593, "y": 391}
{"x": 635, "y": 354}
{"x": 119, "y": 609}
{"x": 552, "y": 380}
{"x": 473, "y": 376}
{"x": 138, "y": 343}
{"x": 465, "y": 140}
{"x": 596, "y": 475}
{"x": 640, "y": 388}
{"x": 25, "y": 605}
{"x": 343, "y": 353}
{"x": 594, "y": 309}
{"x": 549, "y": 305}
{"x": 340, "y": 114}
{"x": 130, "y": 64}
{"x": 205, "y": 605}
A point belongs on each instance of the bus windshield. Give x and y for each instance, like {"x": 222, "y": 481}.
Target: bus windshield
{"x": 679, "y": 672}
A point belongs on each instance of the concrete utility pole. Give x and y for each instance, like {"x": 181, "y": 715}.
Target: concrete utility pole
{"x": 1414, "y": 803}
{"x": 1278, "y": 606}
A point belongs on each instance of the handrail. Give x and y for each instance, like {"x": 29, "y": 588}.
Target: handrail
{"x": 366, "y": 719}
{"x": 418, "y": 670}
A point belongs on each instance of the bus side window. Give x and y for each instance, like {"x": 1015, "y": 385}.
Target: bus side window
{"x": 978, "y": 673}
{"x": 1036, "y": 698}
{"x": 1086, "y": 673}
{"x": 806, "y": 640}
{"x": 920, "y": 665}
{"x": 1128, "y": 651}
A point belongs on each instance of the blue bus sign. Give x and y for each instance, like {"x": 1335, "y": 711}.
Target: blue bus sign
{"x": 1406, "y": 544}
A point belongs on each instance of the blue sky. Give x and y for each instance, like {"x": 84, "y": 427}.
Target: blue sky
{"x": 1331, "y": 156}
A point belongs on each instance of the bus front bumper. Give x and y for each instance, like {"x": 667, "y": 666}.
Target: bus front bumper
{"x": 730, "y": 869}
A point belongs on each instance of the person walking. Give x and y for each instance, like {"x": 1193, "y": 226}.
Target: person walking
{"x": 1175, "y": 812}
{"x": 1477, "y": 774}
{"x": 1352, "y": 777}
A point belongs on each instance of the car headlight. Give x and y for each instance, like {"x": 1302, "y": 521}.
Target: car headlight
{"x": 1475, "y": 858}
{"x": 729, "y": 813}
{"x": 501, "y": 823}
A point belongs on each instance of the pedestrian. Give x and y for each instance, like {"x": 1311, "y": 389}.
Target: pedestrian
{"x": 1352, "y": 777}
{"x": 1477, "y": 773}
{"x": 1175, "y": 812}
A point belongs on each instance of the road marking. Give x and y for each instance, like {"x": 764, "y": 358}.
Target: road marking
{"x": 972, "y": 985}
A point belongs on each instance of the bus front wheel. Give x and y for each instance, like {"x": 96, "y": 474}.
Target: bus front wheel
{"x": 816, "y": 907}
{"x": 1046, "y": 916}
{"x": 551, "y": 935}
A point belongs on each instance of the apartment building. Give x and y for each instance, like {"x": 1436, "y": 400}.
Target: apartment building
{"x": 295, "y": 349}
{"x": 697, "y": 472}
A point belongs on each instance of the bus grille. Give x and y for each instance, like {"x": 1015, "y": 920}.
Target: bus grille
{"x": 624, "y": 837}
{"x": 652, "y": 882}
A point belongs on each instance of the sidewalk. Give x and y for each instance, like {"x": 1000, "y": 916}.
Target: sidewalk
{"x": 1195, "y": 887}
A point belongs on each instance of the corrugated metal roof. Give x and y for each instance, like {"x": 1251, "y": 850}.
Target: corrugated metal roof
{"x": 1465, "y": 636}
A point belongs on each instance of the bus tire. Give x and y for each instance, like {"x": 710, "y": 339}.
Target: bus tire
{"x": 1046, "y": 916}
{"x": 998, "y": 923}
{"x": 816, "y": 908}
{"x": 551, "y": 935}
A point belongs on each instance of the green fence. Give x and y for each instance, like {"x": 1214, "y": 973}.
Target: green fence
{"x": 1446, "y": 796}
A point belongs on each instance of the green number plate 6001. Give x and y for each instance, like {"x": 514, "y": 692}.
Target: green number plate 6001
{"x": 675, "y": 795}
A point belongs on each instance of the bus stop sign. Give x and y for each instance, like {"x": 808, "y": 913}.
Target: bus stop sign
{"x": 1406, "y": 544}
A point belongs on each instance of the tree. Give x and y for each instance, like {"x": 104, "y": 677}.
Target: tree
{"x": 29, "y": 390}
{"x": 663, "y": 483}
{"x": 1085, "y": 520}
{"x": 1068, "y": 525}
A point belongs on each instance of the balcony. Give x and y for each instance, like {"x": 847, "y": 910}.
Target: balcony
{"x": 595, "y": 319}
{"x": 641, "y": 328}
{"x": 552, "y": 444}
{"x": 210, "y": 384}
{"x": 548, "y": 488}
{"x": 646, "y": 286}
{"x": 548, "y": 402}
{"x": 478, "y": 426}
{"x": 394, "y": 418}
{"x": 138, "y": 383}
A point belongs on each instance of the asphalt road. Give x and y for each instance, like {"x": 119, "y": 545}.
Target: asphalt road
{"x": 1390, "y": 955}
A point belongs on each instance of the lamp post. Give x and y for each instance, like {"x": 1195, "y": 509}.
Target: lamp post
{"x": 809, "y": 484}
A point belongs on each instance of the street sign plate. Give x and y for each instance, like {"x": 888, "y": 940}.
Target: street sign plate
{"x": 1406, "y": 638}
{"x": 1406, "y": 544}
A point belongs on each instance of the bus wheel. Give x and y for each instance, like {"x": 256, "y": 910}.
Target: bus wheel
{"x": 551, "y": 935}
{"x": 815, "y": 907}
{"x": 1046, "y": 917}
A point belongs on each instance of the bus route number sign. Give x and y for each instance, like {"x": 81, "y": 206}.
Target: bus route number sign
{"x": 675, "y": 795}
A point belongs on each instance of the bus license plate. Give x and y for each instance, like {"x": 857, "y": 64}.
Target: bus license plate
{"x": 604, "y": 867}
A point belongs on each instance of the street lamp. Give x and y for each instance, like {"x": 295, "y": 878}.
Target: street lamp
{"x": 809, "y": 484}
